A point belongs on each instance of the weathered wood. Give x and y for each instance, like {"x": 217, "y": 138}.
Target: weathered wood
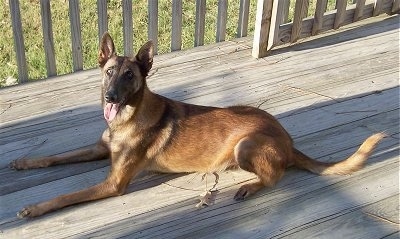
{"x": 262, "y": 28}
{"x": 176, "y": 33}
{"x": 127, "y": 28}
{"x": 48, "y": 41}
{"x": 76, "y": 38}
{"x": 18, "y": 37}
{"x": 153, "y": 24}
{"x": 340, "y": 13}
{"x": 377, "y": 7}
{"x": 277, "y": 16}
{"x": 243, "y": 21}
{"x": 200, "y": 22}
{"x": 221, "y": 20}
{"x": 300, "y": 12}
{"x": 328, "y": 96}
{"x": 318, "y": 16}
{"x": 102, "y": 20}
{"x": 328, "y": 22}
{"x": 395, "y": 7}
{"x": 285, "y": 11}
{"x": 359, "y": 10}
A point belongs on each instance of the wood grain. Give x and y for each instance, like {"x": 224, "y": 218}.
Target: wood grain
{"x": 330, "y": 92}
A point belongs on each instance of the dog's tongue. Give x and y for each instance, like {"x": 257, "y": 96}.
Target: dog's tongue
{"x": 110, "y": 111}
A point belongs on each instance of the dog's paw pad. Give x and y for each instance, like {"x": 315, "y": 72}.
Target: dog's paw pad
{"x": 25, "y": 212}
{"x": 241, "y": 194}
{"x": 14, "y": 165}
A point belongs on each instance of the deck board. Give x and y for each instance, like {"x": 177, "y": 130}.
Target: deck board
{"x": 330, "y": 92}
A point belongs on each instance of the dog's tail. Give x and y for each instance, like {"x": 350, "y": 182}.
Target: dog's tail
{"x": 344, "y": 167}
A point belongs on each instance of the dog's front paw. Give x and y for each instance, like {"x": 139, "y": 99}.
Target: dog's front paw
{"x": 29, "y": 212}
{"x": 16, "y": 164}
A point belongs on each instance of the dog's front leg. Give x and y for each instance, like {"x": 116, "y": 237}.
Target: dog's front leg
{"x": 97, "y": 152}
{"x": 122, "y": 171}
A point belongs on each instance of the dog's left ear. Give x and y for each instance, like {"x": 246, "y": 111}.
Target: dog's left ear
{"x": 107, "y": 49}
{"x": 145, "y": 57}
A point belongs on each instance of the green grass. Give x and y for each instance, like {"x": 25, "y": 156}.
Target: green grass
{"x": 33, "y": 36}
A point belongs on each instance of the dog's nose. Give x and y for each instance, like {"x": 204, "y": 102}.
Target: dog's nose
{"x": 110, "y": 96}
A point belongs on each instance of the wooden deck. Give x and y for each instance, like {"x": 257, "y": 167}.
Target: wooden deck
{"x": 330, "y": 92}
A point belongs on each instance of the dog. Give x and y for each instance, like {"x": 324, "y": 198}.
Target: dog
{"x": 147, "y": 131}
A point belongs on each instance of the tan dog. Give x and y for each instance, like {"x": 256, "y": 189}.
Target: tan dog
{"x": 149, "y": 131}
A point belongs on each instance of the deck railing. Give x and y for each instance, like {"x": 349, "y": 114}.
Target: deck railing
{"x": 271, "y": 27}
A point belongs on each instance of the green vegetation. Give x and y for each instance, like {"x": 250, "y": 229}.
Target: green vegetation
{"x": 33, "y": 36}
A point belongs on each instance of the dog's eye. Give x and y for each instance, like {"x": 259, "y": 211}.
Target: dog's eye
{"x": 129, "y": 74}
{"x": 109, "y": 72}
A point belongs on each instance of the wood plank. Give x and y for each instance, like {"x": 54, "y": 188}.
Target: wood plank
{"x": 200, "y": 23}
{"x": 76, "y": 38}
{"x": 102, "y": 20}
{"x": 48, "y": 40}
{"x": 359, "y": 10}
{"x": 243, "y": 21}
{"x": 329, "y": 102}
{"x": 300, "y": 12}
{"x": 262, "y": 28}
{"x": 221, "y": 20}
{"x": 340, "y": 13}
{"x": 176, "y": 33}
{"x": 127, "y": 28}
{"x": 153, "y": 24}
{"x": 318, "y": 16}
{"x": 353, "y": 222}
{"x": 19, "y": 46}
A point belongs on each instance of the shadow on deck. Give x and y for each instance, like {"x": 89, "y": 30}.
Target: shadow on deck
{"x": 330, "y": 93}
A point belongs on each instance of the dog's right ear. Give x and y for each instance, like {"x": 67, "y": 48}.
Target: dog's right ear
{"x": 107, "y": 49}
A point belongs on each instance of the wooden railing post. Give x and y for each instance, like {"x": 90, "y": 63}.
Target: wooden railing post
{"x": 102, "y": 20}
{"x": 48, "y": 41}
{"x": 76, "y": 38}
{"x": 262, "y": 28}
{"x": 19, "y": 45}
{"x": 127, "y": 27}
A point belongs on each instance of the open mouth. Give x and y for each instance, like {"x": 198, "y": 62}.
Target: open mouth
{"x": 110, "y": 111}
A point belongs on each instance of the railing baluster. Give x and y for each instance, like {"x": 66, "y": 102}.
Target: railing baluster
{"x": 377, "y": 7}
{"x": 359, "y": 10}
{"x": 300, "y": 12}
{"x": 200, "y": 22}
{"x": 319, "y": 16}
{"x": 176, "y": 33}
{"x": 243, "y": 18}
{"x": 19, "y": 46}
{"x": 221, "y": 20}
{"x": 395, "y": 6}
{"x": 48, "y": 41}
{"x": 102, "y": 17}
{"x": 153, "y": 23}
{"x": 127, "y": 27}
{"x": 262, "y": 27}
{"x": 75, "y": 24}
{"x": 340, "y": 13}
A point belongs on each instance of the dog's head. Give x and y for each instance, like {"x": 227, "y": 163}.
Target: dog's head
{"x": 124, "y": 78}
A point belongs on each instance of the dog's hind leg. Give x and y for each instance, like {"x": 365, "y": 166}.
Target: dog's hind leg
{"x": 97, "y": 152}
{"x": 262, "y": 156}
